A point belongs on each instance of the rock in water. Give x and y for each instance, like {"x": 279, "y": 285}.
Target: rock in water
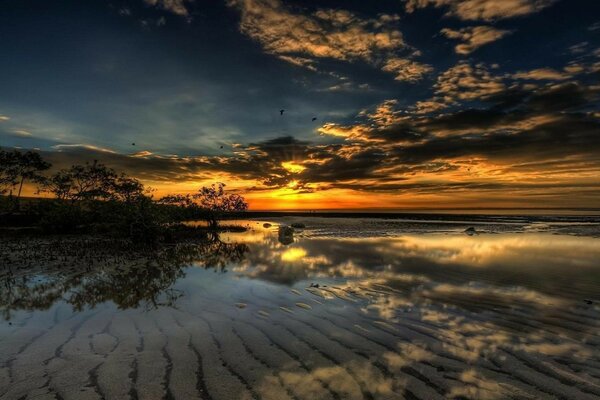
{"x": 298, "y": 225}
{"x": 286, "y": 234}
{"x": 267, "y": 225}
{"x": 470, "y": 231}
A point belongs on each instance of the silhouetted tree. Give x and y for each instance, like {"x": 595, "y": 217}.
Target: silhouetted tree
{"x": 178, "y": 200}
{"x": 214, "y": 203}
{"x": 94, "y": 193}
{"x": 16, "y": 167}
{"x": 126, "y": 189}
{"x": 179, "y": 207}
{"x": 7, "y": 175}
{"x": 93, "y": 196}
{"x": 82, "y": 182}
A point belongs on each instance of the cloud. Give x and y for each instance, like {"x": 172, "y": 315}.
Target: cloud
{"x": 406, "y": 70}
{"x": 178, "y": 7}
{"x": 384, "y": 123}
{"x": 519, "y": 125}
{"x": 143, "y": 153}
{"x": 543, "y": 74}
{"x": 406, "y": 155}
{"x": 80, "y": 147}
{"x": 302, "y": 39}
{"x": 385, "y": 114}
{"x": 327, "y": 33}
{"x": 517, "y": 108}
{"x": 465, "y": 81}
{"x": 256, "y": 163}
{"x": 22, "y": 133}
{"x": 347, "y": 87}
{"x": 502, "y": 129}
{"x": 594, "y": 27}
{"x": 474, "y": 37}
{"x": 547, "y": 141}
{"x": 487, "y": 10}
{"x": 299, "y": 61}
{"x": 428, "y": 106}
{"x": 352, "y": 131}
{"x": 578, "y": 48}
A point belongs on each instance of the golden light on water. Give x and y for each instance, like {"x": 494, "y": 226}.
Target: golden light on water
{"x": 293, "y": 254}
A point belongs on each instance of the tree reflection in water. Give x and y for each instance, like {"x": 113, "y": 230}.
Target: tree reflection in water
{"x": 88, "y": 272}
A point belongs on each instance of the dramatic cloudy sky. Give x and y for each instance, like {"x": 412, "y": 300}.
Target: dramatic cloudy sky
{"x": 418, "y": 103}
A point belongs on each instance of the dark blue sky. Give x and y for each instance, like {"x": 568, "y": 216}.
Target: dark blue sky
{"x": 181, "y": 78}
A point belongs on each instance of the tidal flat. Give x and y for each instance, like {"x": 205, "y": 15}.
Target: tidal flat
{"x": 349, "y": 308}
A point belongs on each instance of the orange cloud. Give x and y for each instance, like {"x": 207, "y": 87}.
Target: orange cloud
{"x": 465, "y": 81}
{"x": 545, "y": 74}
{"x": 406, "y": 70}
{"x": 474, "y": 37}
{"x": 487, "y": 10}
{"x": 301, "y": 39}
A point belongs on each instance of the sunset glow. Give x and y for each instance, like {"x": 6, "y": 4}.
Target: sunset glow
{"x": 293, "y": 167}
{"x": 300, "y": 105}
{"x": 299, "y": 199}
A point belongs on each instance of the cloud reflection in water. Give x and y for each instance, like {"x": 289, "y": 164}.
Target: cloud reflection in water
{"x": 424, "y": 316}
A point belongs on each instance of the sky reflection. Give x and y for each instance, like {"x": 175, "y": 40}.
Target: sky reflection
{"x": 426, "y": 316}
{"x": 533, "y": 260}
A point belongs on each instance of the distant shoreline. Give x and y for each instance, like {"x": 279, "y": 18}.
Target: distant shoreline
{"x": 390, "y": 210}
{"x": 384, "y": 210}
{"x": 516, "y": 215}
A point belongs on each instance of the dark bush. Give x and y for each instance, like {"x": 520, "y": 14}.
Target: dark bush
{"x": 95, "y": 198}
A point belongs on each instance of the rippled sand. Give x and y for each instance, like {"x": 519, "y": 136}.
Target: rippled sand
{"x": 426, "y": 316}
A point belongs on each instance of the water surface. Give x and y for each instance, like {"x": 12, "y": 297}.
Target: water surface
{"x": 349, "y": 309}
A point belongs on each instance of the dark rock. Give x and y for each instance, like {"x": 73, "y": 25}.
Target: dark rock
{"x": 286, "y": 235}
{"x": 470, "y": 231}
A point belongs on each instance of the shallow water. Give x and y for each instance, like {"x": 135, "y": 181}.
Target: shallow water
{"x": 350, "y": 309}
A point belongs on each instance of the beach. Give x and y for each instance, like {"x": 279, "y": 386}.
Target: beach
{"x": 351, "y": 308}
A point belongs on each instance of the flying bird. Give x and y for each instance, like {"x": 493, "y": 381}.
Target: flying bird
{"x": 314, "y": 119}
{"x": 281, "y": 112}
{"x": 221, "y": 146}
{"x": 133, "y": 144}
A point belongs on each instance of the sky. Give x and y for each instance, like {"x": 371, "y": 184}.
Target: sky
{"x": 393, "y": 104}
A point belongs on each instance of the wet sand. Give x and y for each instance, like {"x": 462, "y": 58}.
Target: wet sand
{"x": 402, "y": 316}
